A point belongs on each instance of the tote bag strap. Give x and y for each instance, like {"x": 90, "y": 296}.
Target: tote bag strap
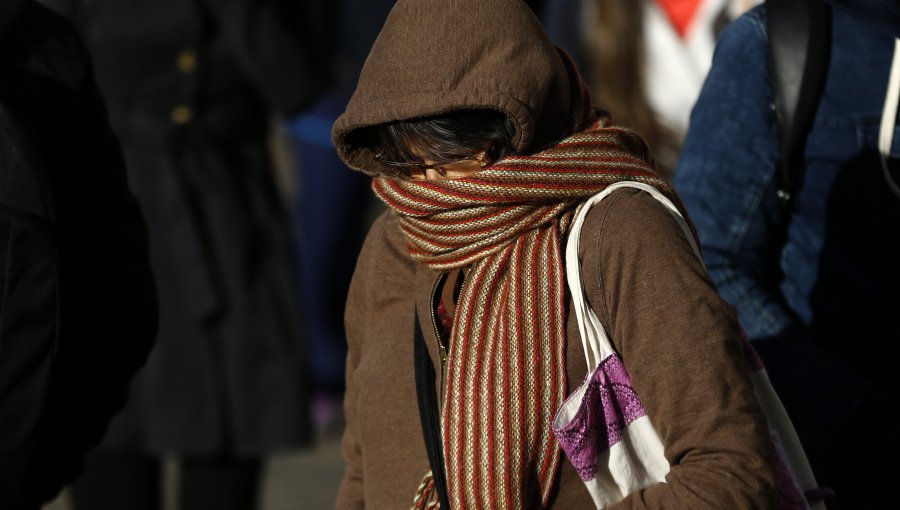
{"x": 594, "y": 340}
{"x": 889, "y": 119}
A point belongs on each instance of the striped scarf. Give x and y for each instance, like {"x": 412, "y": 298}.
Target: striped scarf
{"x": 506, "y": 372}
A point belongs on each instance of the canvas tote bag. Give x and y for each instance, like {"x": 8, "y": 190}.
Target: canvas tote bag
{"x": 604, "y": 429}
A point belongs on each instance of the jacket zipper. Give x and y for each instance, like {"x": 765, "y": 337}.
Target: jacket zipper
{"x": 442, "y": 349}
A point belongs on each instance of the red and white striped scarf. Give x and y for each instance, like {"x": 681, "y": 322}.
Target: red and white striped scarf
{"x": 506, "y": 372}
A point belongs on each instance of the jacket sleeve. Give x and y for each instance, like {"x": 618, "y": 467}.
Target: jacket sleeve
{"x": 266, "y": 39}
{"x": 682, "y": 347}
{"x": 28, "y": 311}
{"x": 358, "y": 314}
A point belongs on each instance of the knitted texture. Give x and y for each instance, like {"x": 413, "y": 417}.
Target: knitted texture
{"x": 506, "y": 367}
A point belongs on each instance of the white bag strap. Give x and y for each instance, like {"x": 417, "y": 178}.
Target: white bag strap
{"x": 889, "y": 117}
{"x": 594, "y": 339}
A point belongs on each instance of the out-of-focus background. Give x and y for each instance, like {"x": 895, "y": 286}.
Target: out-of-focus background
{"x": 303, "y": 478}
{"x": 298, "y": 480}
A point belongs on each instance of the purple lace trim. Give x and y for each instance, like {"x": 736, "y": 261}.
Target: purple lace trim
{"x": 608, "y": 405}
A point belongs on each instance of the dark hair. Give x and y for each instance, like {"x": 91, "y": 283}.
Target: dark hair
{"x": 446, "y": 138}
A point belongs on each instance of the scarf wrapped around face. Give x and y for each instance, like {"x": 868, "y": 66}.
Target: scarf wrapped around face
{"x": 506, "y": 372}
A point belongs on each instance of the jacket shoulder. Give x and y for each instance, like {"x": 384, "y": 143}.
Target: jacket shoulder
{"x": 384, "y": 250}
{"x": 625, "y": 217}
{"x": 630, "y": 232}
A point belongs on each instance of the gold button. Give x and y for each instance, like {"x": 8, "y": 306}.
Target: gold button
{"x": 187, "y": 60}
{"x": 181, "y": 114}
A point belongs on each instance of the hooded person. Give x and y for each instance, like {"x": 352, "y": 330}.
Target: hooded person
{"x": 469, "y": 253}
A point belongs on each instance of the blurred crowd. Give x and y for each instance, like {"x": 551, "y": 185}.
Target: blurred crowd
{"x": 176, "y": 204}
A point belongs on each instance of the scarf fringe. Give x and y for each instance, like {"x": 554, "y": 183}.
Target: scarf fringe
{"x": 426, "y": 495}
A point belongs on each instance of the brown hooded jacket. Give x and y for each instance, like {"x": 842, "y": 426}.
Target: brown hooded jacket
{"x": 680, "y": 341}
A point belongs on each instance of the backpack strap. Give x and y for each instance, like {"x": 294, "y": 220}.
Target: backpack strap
{"x": 429, "y": 415}
{"x": 799, "y": 51}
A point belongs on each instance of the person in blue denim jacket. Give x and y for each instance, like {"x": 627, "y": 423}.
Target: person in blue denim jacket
{"x": 817, "y": 286}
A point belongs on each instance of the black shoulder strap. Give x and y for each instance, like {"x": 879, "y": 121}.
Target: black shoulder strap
{"x": 799, "y": 49}
{"x": 429, "y": 415}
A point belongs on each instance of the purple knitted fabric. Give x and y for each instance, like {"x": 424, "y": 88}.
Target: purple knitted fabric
{"x": 607, "y": 406}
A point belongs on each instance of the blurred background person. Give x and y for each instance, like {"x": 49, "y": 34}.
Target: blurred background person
{"x": 645, "y": 60}
{"x": 815, "y": 279}
{"x": 191, "y": 87}
{"x": 331, "y": 207}
{"x": 78, "y": 310}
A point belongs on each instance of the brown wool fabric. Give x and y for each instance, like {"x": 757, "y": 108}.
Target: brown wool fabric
{"x": 435, "y": 56}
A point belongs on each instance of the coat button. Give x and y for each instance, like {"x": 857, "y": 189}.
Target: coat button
{"x": 186, "y": 61}
{"x": 181, "y": 114}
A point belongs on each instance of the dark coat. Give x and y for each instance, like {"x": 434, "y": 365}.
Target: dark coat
{"x": 190, "y": 86}
{"x": 78, "y": 308}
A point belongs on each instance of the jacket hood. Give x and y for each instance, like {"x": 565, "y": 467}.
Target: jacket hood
{"x": 10, "y": 10}
{"x": 436, "y": 56}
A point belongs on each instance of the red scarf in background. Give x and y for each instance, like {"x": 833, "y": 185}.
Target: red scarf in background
{"x": 681, "y": 13}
